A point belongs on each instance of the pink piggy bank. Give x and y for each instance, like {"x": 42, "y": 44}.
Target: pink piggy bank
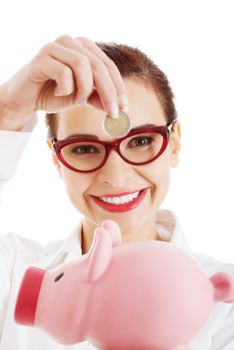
{"x": 123, "y": 296}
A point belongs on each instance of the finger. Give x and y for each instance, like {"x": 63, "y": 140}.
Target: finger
{"x": 78, "y": 63}
{"x": 45, "y": 68}
{"x": 105, "y": 88}
{"x": 112, "y": 68}
{"x": 101, "y": 77}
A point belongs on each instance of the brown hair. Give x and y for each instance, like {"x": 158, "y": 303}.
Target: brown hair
{"x": 132, "y": 63}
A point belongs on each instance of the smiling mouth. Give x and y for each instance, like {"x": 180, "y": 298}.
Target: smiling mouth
{"x": 117, "y": 207}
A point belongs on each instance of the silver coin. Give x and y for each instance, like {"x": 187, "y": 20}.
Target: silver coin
{"x": 116, "y": 127}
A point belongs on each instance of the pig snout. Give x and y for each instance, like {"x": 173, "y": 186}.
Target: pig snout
{"x": 26, "y": 303}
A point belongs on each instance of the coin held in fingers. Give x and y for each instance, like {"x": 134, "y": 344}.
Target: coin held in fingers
{"x": 116, "y": 127}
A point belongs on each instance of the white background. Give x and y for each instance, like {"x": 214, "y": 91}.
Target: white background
{"x": 192, "y": 41}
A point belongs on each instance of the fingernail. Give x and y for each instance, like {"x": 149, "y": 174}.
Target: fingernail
{"x": 114, "y": 110}
{"x": 124, "y": 102}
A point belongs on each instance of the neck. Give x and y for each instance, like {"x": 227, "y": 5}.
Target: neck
{"x": 147, "y": 232}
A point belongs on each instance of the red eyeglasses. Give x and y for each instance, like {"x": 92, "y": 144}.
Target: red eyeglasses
{"x": 137, "y": 148}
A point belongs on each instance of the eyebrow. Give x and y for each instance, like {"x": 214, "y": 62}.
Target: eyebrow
{"x": 95, "y": 137}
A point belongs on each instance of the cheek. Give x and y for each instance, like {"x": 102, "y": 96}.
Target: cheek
{"x": 158, "y": 174}
{"x": 76, "y": 184}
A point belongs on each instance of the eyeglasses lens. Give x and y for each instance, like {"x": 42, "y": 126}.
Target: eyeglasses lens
{"x": 89, "y": 155}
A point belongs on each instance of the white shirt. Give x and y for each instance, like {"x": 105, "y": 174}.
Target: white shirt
{"x": 18, "y": 252}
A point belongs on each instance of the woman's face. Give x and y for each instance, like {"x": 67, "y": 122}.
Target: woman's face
{"x": 117, "y": 176}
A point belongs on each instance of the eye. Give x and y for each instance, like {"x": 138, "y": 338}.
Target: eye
{"x": 141, "y": 141}
{"x": 86, "y": 149}
{"x": 58, "y": 277}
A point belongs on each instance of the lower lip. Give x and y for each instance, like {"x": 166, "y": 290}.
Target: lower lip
{"x": 120, "y": 208}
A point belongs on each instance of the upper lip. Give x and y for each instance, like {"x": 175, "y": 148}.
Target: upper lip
{"x": 120, "y": 194}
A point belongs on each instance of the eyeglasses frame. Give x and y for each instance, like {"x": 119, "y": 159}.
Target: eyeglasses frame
{"x": 164, "y": 130}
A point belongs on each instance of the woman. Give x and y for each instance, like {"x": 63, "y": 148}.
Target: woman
{"x": 77, "y": 81}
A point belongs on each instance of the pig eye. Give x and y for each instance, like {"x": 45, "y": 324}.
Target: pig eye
{"x": 58, "y": 277}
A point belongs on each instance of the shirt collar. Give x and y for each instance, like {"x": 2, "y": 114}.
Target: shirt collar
{"x": 168, "y": 228}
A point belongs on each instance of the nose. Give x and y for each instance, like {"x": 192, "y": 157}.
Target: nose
{"x": 115, "y": 171}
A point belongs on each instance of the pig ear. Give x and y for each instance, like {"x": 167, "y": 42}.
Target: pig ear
{"x": 99, "y": 255}
{"x": 113, "y": 228}
{"x": 223, "y": 284}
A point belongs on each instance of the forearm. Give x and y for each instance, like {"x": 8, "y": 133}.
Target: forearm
{"x": 10, "y": 121}
{"x": 13, "y": 120}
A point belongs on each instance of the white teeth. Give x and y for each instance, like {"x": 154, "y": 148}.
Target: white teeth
{"x": 120, "y": 200}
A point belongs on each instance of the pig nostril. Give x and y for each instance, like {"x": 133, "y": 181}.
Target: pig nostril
{"x": 58, "y": 277}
